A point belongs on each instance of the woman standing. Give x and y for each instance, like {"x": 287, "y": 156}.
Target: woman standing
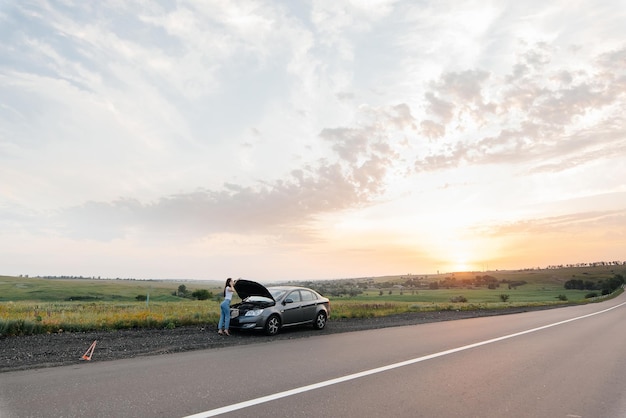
{"x": 224, "y": 323}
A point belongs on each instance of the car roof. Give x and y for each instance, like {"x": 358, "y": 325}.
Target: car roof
{"x": 288, "y": 288}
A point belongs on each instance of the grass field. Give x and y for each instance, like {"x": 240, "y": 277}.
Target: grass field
{"x": 55, "y": 290}
{"x": 38, "y": 305}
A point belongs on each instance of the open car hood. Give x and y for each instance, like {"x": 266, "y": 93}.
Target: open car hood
{"x": 246, "y": 288}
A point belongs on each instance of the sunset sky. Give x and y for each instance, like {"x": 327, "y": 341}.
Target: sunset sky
{"x": 297, "y": 140}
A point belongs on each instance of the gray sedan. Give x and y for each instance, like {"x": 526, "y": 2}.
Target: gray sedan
{"x": 272, "y": 308}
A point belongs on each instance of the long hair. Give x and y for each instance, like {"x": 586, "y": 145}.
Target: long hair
{"x": 226, "y": 285}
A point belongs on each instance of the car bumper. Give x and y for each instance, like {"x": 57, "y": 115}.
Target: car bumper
{"x": 247, "y": 322}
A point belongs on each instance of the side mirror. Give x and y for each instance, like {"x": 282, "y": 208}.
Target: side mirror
{"x": 288, "y": 300}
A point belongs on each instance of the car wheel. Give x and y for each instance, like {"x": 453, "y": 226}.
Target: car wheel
{"x": 320, "y": 320}
{"x": 272, "y": 325}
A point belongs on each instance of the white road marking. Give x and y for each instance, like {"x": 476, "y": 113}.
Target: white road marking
{"x": 279, "y": 395}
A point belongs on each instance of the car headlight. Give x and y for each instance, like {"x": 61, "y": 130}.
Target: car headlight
{"x": 254, "y": 312}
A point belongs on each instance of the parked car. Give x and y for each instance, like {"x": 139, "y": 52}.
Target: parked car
{"x": 272, "y": 308}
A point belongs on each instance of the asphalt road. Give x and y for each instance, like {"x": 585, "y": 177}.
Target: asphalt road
{"x": 566, "y": 362}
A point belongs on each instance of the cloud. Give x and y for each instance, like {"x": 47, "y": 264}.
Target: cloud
{"x": 276, "y": 208}
{"x": 431, "y": 129}
{"x": 552, "y": 115}
{"x": 364, "y": 157}
{"x": 442, "y": 109}
{"x": 589, "y": 224}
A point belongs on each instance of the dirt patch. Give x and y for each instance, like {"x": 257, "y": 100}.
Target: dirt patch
{"x": 51, "y": 350}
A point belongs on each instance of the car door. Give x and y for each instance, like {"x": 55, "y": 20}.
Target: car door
{"x": 309, "y": 305}
{"x": 292, "y": 312}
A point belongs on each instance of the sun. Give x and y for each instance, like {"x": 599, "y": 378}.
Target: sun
{"x": 463, "y": 261}
{"x": 461, "y": 265}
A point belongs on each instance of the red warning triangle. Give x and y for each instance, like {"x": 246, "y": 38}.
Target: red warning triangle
{"x": 89, "y": 352}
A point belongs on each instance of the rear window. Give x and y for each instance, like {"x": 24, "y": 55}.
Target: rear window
{"x": 307, "y": 295}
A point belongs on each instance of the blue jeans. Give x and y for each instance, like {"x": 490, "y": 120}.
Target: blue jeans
{"x": 224, "y": 315}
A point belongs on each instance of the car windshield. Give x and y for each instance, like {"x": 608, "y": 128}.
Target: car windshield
{"x": 277, "y": 293}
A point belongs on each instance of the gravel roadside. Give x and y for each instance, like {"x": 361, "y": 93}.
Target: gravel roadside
{"x": 51, "y": 350}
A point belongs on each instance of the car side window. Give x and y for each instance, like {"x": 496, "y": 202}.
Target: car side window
{"x": 307, "y": 295}
{"x": 295, "y": 296}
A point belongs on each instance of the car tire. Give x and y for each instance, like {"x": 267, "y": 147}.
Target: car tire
{"x": 320, "y": 320}
{"x": 272, "y": 325}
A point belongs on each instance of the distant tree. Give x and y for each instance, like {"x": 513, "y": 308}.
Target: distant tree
{"x": 514, "y": 284}
{"x": 182, "y": 290}
{"x": 576, "y": 284}
{"x": 354, "y": 292}
{"x": 202, "y": 294}
{"x": 611, "y": 285}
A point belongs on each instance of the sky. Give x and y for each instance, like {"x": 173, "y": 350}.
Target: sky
{"x": 305, "y": 140}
